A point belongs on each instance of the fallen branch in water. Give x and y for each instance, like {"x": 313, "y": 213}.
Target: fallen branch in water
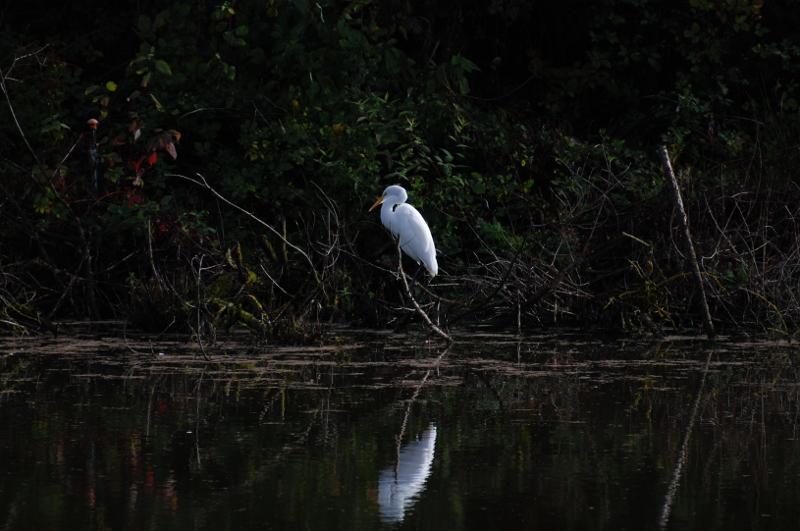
{"x": 420, "y": 311}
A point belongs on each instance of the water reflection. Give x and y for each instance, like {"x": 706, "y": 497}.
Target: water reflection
{"x": 683, "y": 456}
{"x": 400, "y": 485}
{"x": 541, "y": 433}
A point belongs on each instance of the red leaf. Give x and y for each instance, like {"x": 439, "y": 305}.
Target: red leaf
{"x": 152, "y": 159}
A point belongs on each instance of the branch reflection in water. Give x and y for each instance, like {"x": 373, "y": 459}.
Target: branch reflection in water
{"x": 683, "y": 456}
{"x": 401, "y": 484}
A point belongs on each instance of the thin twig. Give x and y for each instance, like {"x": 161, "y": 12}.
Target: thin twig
{"x": 203, "y": 183}
{"x": 14, "y": 116}
{"x": 21, "y": 58}
{"x": 500, "y": 284}
{"x": 150, "y": 254}
{"x": 199, "y": 323}
{"x": 274, "y": 282}
{"x": 70, "y": 284}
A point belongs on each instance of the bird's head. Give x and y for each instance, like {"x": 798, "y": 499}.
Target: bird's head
{"x": 395, "y": 193}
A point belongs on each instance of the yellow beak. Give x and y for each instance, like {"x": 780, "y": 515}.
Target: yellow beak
{"x": 377, "y": 202}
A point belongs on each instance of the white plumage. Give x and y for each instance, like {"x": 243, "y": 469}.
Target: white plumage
{"x": 406, "y": 223}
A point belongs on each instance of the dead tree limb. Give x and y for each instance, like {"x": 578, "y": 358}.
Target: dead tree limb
{"x": 684, "y": 220}
{"x": 419, "y": 309}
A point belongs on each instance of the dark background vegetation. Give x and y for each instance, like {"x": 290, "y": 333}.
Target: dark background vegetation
{"x": 525, "y": 132}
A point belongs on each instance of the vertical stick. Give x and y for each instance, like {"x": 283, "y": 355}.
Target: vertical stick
{"x": 684, "y": 220}
{"x": 94, "y": 158}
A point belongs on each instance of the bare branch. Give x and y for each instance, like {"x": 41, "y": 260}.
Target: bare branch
{"x": 420, "y": 311}
{"x": 203, "y": 183}
{"x": 684, "y": 220}
{"x": 14, "y": 116}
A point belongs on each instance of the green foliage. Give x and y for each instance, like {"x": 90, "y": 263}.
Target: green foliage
{"x": 512, "y": 135}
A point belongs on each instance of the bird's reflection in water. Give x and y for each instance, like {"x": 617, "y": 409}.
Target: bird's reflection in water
{"x": 400, "y": 485}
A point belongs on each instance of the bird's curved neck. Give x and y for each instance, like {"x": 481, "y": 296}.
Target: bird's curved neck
{"x": 391, "y": 203}
{"x": 388, "y": 214}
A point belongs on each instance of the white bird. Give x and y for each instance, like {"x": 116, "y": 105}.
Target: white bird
{"x": 406, "y": 223}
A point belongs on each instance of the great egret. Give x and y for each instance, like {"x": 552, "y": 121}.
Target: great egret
{"x": 406, "y": 223}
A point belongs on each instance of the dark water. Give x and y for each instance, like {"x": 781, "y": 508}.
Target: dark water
{"x": 544, "y": 433}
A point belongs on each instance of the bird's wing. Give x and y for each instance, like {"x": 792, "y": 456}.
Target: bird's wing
{"x": 415, "y": 236}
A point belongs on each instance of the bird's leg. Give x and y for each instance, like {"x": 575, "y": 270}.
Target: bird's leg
{"x": 414, "y": 278}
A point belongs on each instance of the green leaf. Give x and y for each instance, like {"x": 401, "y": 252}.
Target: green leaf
{"x": 163, "y": 67}
{"x": 301, "y": 6}
{"x": 111, "y": 86}
{"x": 144, "y": 24}
{"x": 459, "y": 61}
{"x": 161, "y": 20}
